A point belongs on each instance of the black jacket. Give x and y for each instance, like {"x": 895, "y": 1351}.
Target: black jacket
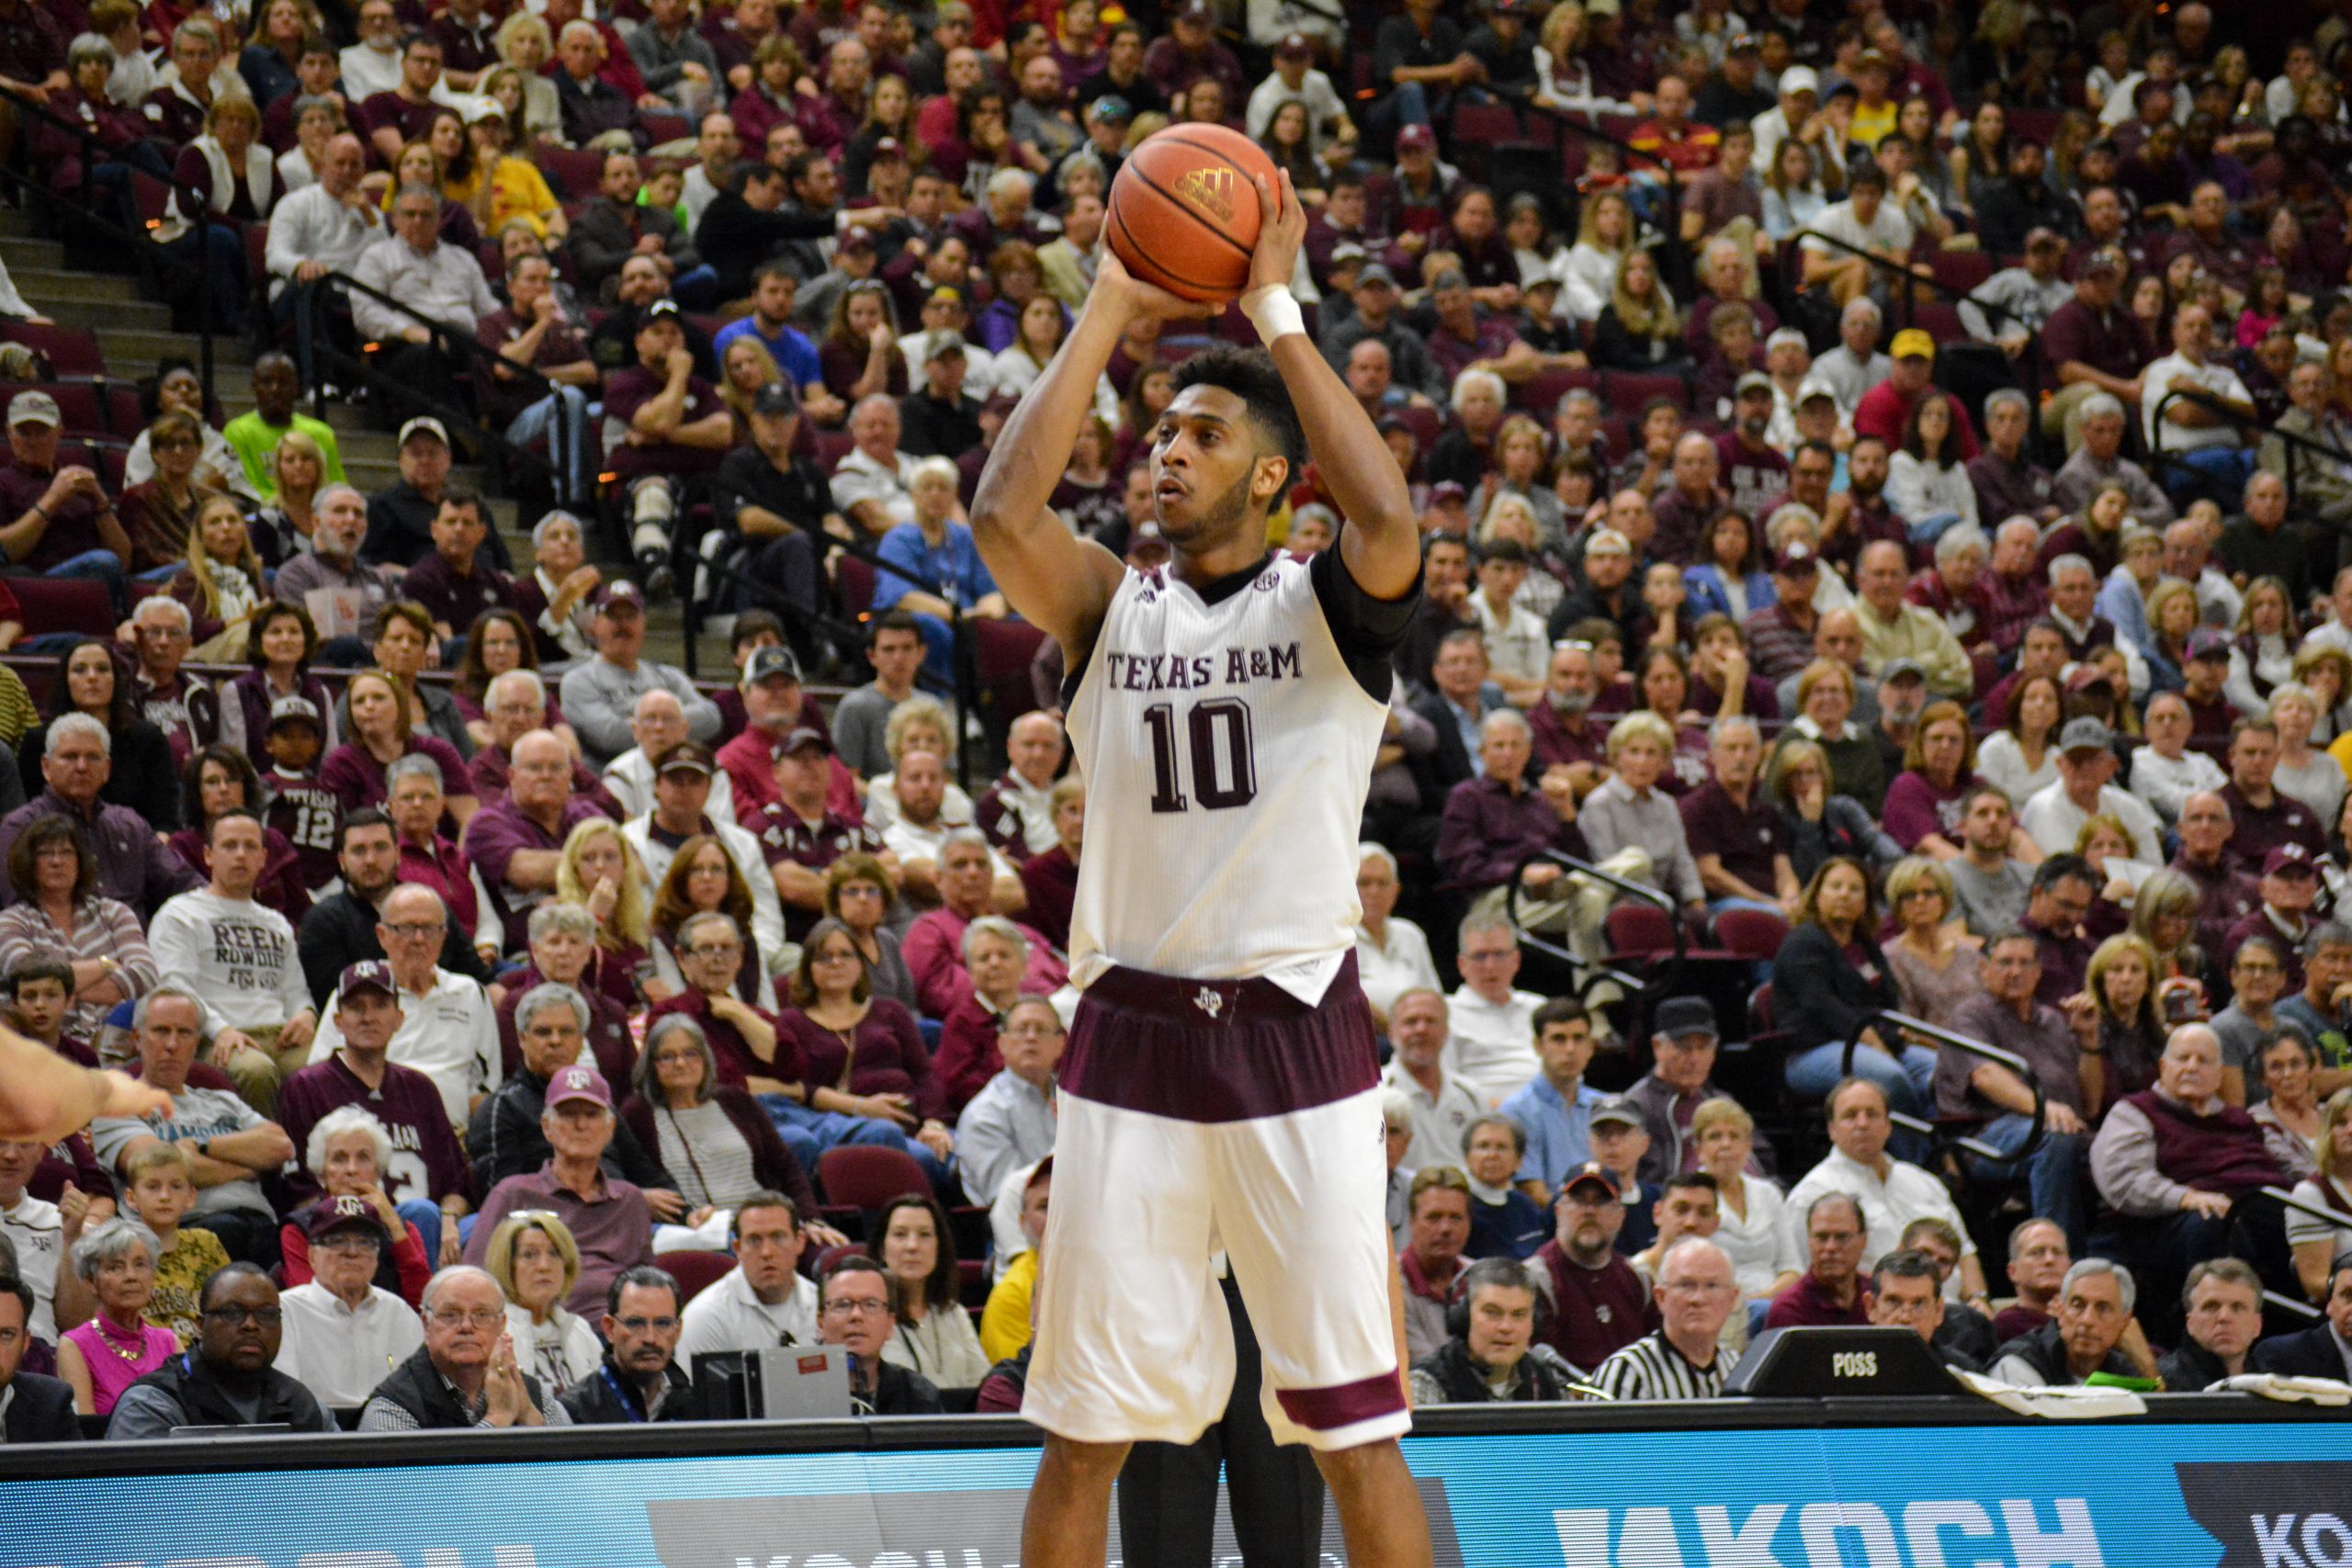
{"x": 1464, "y": 1381}
{"x": 897, "y": 1392}
{"x": 2311, "y": 1354}
{"x": 1451, "y": 763}
{"x": 2192, "y": 1369}
{"x": 2045, "y": 1352}
{"x": 503, "y": 1139}
{"x": 188, "y": 1379}
{"x": 342, "y": 931}
{"x": 611, "y": 1398}
{"x": 41, "y": 1411}
{"x": 1819, "y": 997}
{"x": 735, "y": 237}
{"x": 417, "y": 1387}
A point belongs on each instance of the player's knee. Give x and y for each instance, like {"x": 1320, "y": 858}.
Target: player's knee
{"x": 1084, "y": 1463}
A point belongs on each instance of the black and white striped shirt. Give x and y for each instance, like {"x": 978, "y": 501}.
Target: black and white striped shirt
{"x": 1651, "y": 1368}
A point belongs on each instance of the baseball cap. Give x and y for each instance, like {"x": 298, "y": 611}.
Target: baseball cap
{"x": 1346, "y": 250}
{"x": 620, "y": 594}
{"x": 1744, "y": 43}
{"x": 1110, "y": 105}
{"x": 1417, "y": 138}
{"x": 1617, "y": 1109}
{"x": 1754, "y": 382}
{"x": 2105, "y": 260}
{"x": 807, "y": 735}
{"x": 2085, "y": 734}
{"x": 1445, "y": 491}
{"x": 1796, "y": 558}
{"x": 579, "y": 1082}
{"x": 943, "y": 343}
{"x": 2288, "y": 860}
{"x": 1800, "y": 79}
{"x": 951, "y": 11}
{"x": 342, "y": 1213}
{"x": 685, "y": 757}
{"x": 889, "y": 147}
{"x": 1295, "y": 46}
{"x": 769, "y": 664}
{"x": 1873, "y": 57}
{"x": 1679, "y": 1016}
{"x": 424, "y": 425}
{"x": 1593, "y": 1171}
{"x": 1375, "y": 273}
{"x": 1912, "y": 344}
{"x": 1815, "y": 388}
{"x": 945, "y": 294}
{"x": 485, "y": 109}
{"x": 776, "y": 398}
{"x": 1782, "y": 336}
{"x": 1198, "y": 11}
{"x": 1607, "y": 542}
{"x": 660, "y": 311}
{"x": 368, "y": 975}
{"x": 2041, "y": 238}
{"x": 293, "y": 710}
{"x": 35, "y": 408}
{"x": 2205, "y": 642}
{"x": 1901, "y": 669}
{"x": 855, "y": 240}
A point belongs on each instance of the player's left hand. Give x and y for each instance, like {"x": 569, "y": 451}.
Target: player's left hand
{"x": 1134, "y": 299}
{"x": 1282, "y": 229}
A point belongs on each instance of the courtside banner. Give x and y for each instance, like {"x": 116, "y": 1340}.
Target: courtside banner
{"x": 2151, "y": 1494}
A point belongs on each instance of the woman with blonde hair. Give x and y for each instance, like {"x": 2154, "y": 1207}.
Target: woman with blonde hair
{"x": 1751, "y": 1207}
{"x": 2116, "y": 1021}
{"x": 2164, "y": 915}
{"x": 1937, "y": 966}
{"x": 297, "y": 472}
{"x": 2304, "y": 773}
{"x": 1819, "y": 821}
{"x": 2262, "y": 647}
{"x": 536, "y": 1261}
{"x": 1639, "y": 329}
{"x": 2328, "y": 671}
{"x": 525, "y": 43}
{"x": 601, "y": 871}
{"x": 745, "y": 368}
{"x": 2314, "y": 1242}
{"x": 2172, "y": 617}
{"x": 222, "y": 583}
{"x": 1563, "y": 82}
{"x": 1606, "y": 235}
{"x": 919, "y": 724}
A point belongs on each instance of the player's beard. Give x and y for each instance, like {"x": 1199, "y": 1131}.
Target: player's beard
{"x": 1211, "y": 523}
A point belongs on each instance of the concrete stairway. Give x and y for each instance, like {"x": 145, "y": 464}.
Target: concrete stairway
{"x": 134, "y": 332}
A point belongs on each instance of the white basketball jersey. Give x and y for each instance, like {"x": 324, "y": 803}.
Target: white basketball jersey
{"x": 1226, "y": 750}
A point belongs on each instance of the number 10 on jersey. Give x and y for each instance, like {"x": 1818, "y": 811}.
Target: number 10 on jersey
{"x": 1212, "y": 745}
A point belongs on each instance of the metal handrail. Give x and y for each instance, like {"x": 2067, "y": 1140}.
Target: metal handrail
{"x": 1593, "y": 972}
{"x": 93, "y": 153}
{"x": 1958, "y": 295}
{"x": 1903, "y": 1024}
{"x": 2287, "y": 439}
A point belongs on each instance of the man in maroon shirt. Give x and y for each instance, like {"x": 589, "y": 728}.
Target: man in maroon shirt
{"x": 1886, "y": 409}
{"x": 1498, "y": 818}
{"x": 2262, "y": 818}
{"x": 516, "y": 842}
{"x": 1695, "y": 499}
{"x": 2092, "y": 344}
{"x": 801, "y": 836}
{"x": 427, "y": 1167}
{"x": 1830, "y": 1290}
{"x": 1735, "y": 835}
{"x": 454, "y": 583}
{"x": 1565, "y": 733}
{"x": 467, "y": 34}
{"x": 2224, "y": 894}
{"x": 392, "y": 120}
{"x": 55, "y": 522}
{"x": 1597, "y": 1303}
{"x": 673, "y": 427}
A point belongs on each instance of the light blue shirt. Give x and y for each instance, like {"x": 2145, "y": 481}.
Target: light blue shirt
{"x": 953, "y": 571}
{"x": 1559, "y": 1136}
{"x": 794, "y": 354}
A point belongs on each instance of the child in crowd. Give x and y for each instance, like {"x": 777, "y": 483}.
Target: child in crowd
{"x": 161, "y": 1191}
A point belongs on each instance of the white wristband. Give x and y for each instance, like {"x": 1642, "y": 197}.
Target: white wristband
{"x": 1273, "y": 312}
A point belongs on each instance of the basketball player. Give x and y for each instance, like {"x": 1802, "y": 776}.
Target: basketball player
{"x": 1220, "y": 1089}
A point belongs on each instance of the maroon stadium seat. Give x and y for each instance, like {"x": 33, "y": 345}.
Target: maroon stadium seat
{"x": 863, "y": 1175}
{"x": 696, "y": 1272}
{"x": 69, "y": 350}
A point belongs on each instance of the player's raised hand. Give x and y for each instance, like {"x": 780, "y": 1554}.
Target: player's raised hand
{"x": 1129, "y": 299}
{"x": 1282, "y": 229}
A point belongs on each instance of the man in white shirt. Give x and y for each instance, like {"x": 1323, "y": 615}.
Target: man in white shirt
{"x": 373, "y": 64}
{"x": 235, "y": 955}
{"x": 1491, "y": 1045}
{"x": 2188, "y": 553}
{"x": 681, "y": 809}
{"x": 874, "y": 483}
{"x": 343, "y": 1331}
{"x": 657, "y": 723}
{"x": 918, "y": 834}
{"x": 448, "y": 1032}
{"x": 438, "y": 283}
{"x": 1865, "y": 220}
{"x": 1443, "y": 1106}
{"x": 325, "y": 227}
{"x": 2190, "y": 433}
{"x": 2165, "y": 773}
{"x": 1855, "y": 365}
{"x": 1519, "y": 651}
{"x": 765, "y": 1302}
{"x": 1890, "y": 1192}
{"x": 2057, "y": 812}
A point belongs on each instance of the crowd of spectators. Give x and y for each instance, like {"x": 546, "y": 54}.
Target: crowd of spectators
{"x": 1928, "y": 660}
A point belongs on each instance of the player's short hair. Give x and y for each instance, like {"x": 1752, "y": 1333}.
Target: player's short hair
{"x": 1250, "y": 374}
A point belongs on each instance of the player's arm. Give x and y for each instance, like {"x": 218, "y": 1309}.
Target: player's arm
{"x": 1057, "y": 582}
{"x": 1382, "y": 543}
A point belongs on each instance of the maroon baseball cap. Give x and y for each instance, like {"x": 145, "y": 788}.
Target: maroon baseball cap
{"x": 1417, "y": 138}
{"x": 338, "y": 1214}
{"x": 368, "y": 975}
{"x": 579, "y": 1082}
{"x": 1593, "y": 1171}
{"x": 2289, "y": 860}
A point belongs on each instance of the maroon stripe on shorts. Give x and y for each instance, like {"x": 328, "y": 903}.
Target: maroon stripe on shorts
{"x": 1218, "y": 1050}
{"x": 1329, "y": 1409}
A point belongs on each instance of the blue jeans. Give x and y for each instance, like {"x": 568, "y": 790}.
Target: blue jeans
{"x": 2053, "y": 1174}
{"x": 1908, "y": 1082}
{"x": 426, "y": 1215}
{"x": 562, "y": 418}
{"x": 809, "y": 1133}
{"x": 2221, "y": 471}
{"x": 696, "y": 291}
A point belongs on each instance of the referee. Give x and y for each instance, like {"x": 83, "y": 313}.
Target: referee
{"x": 1168, "y": 1492}
{"x": 1683, "y": 1358}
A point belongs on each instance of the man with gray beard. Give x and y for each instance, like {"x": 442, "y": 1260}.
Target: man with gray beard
{"x": 1564, "y": 731}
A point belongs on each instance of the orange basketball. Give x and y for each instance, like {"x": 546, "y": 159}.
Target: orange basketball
{"x": 1184, "y": 214}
